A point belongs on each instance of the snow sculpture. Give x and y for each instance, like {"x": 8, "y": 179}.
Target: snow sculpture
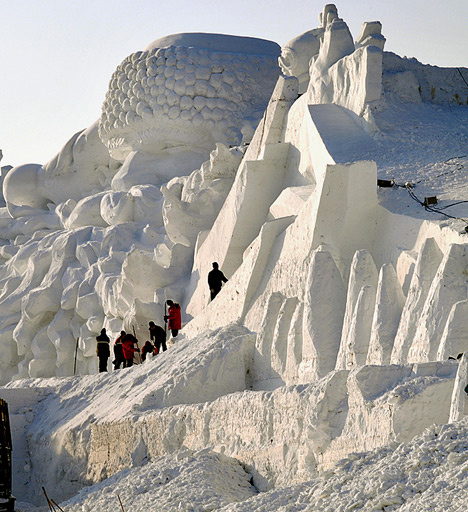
{"x": 450, "y": 285}
{"x": 360, "y": 302}
{"x": 81, "y": 167}
{"x": 323, "y": 322}
{"x": 455, "y": 336}
{"x": 388, "y": 308}
{"x": 192, "y": 203}
{"x": 296, "y": 54}
{"x": 340, "y": 71}
{"x": 427, "y": 263}
{"x": 187, "y": 89}
{"x": 166, "y": 109}
{"x": 371, "y": 35}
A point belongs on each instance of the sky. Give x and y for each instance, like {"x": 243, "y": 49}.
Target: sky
{"x": 57, "y": 56}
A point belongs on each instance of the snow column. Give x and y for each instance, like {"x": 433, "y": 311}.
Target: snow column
{"x": 428, "y": 261}
{"x": 324, "y": 308}
{"x": 388, "y": 307}
{"x": 360, "y": 304}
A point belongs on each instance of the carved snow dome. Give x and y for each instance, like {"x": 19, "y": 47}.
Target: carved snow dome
{"x": 188, "y": 89}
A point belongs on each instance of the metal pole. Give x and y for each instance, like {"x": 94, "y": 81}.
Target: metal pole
{"x": 134, "y": 335}
{"x": 76, "y": 351}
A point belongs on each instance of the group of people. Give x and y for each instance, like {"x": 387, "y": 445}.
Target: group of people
{"x": 126, "y": 344}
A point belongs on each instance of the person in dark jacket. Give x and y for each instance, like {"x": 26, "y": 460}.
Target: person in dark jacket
{"x": 215, "y": 280}
{"x": 148, "y": 348}
{"x": 119, "y": 358}
{"x": 102, "y": 350}
{"x": 173, "y": 317}
{"x": 128, "y": 347}
{"x": 158, "y": 337}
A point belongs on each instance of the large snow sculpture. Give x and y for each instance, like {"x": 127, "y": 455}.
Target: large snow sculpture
{"x": 187, "y": 89}
{"x": 167, "y": 108}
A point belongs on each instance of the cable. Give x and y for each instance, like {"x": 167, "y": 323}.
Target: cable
{"x": 463, "y": 78}
{"x": 409, "y": 186}
{"x": 450, "y": 205}
{"x": 432, "y": 208}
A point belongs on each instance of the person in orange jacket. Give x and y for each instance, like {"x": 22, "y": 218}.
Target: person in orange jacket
{"x": 173, "y": 317}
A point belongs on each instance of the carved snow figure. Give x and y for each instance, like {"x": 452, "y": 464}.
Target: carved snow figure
{"x": 179, "y": 97}
{"x": 296, "y": 54}
{"x": 82, "y": 166}
{"x": 337, "y": 43}
{"x": 371, "y": 35}
{"x": 165, "y": 109}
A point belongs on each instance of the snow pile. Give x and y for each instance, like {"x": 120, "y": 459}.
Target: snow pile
{"x": 184, "y": 481}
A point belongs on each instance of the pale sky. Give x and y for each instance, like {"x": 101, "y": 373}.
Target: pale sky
{"x": 57, "y": 56}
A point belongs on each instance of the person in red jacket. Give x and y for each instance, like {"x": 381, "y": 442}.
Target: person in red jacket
{"x": 118, "y": 352}
{"x": 128, "y": 347}
{"x": 173, "y": 317}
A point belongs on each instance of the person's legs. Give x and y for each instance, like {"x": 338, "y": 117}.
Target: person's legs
{"x": 128, "y": 363}
{"x": 164, "y": 346}
{"x": 174, "y": 332}
{"x": 102, "y": 363}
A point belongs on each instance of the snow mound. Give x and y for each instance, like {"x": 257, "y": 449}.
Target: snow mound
{"x": 183, "y": 481}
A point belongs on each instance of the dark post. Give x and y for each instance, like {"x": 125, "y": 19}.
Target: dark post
{"x": 76, "y": 352}
{"x": 7, "y": 501}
